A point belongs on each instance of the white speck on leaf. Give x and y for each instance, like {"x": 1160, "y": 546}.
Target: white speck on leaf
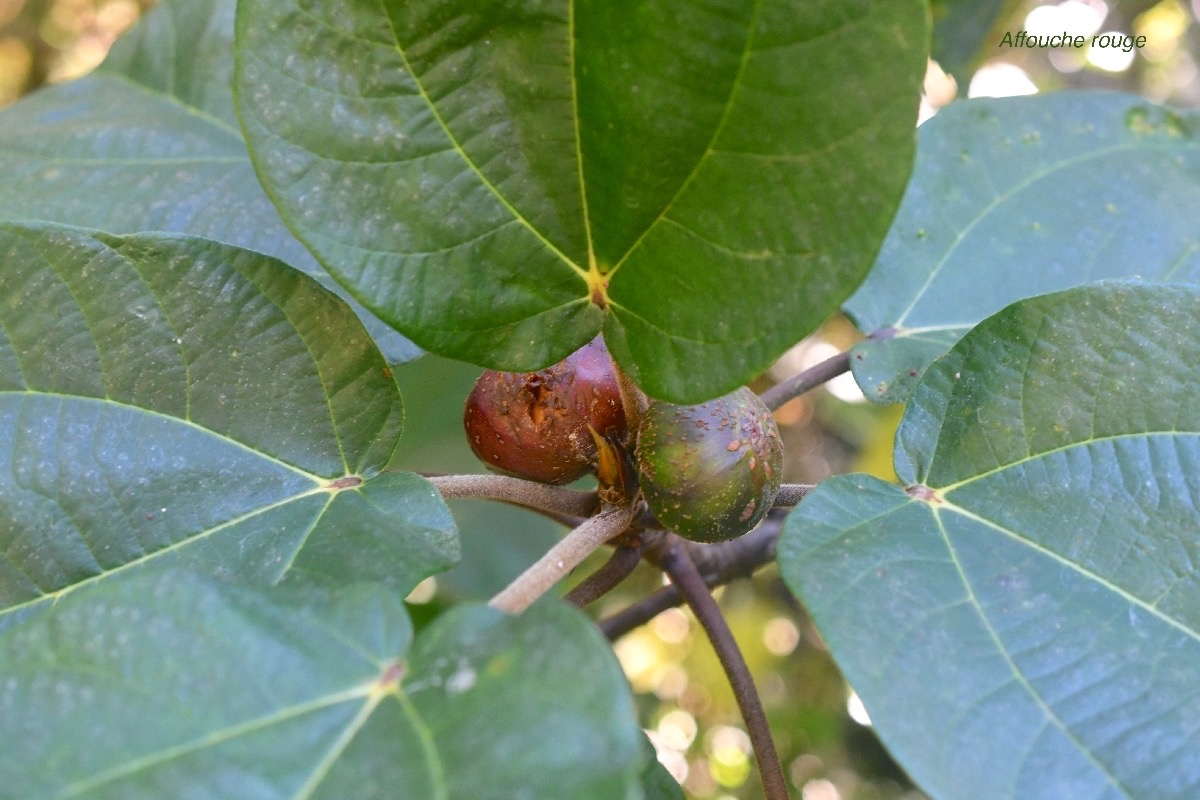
{"x": 462, "y": 680}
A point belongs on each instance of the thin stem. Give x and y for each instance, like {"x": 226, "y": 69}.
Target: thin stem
{"x": 638, "y": 614}
{"x": 817, "y": 374}
{"x": 717, "y": 563}
{"x": 538, "y": 496}
{"x": 807, "y": 380}
{"x": 684, "y": 574}
{"x": 560, "y": 559}
{"x": 792, "y": 493}
{"x": 618, "y": 567}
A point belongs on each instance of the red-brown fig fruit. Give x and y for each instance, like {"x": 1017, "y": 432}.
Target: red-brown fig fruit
{"x": 534, "y": 425}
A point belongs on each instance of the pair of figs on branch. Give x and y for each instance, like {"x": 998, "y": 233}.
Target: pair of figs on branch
{"x": 709, "y": 472}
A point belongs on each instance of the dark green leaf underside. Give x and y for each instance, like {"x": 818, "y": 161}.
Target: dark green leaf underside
{"x": 501, "y": 184}
{"x": 1023, "y": 621}
{"x": 1022, "y": 196}
{"x": 657, "y": 783}
{"x": 150, "y": 143}
{"x": 962, "y": 34}
{"x": 169, "y": 686}
{"x": 172, "y": 399}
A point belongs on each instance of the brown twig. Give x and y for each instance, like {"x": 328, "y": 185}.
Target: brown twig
{"x": 717, "y": 563}
{"x": 538, "y": 496}
{"x": 806, "y": 381}
{"x": 560, "y": 559}
{"x": 792, "y": 493}
{"x": 817, "y": 374}
{"x": 675, "y": 561}
{"x": 619, "y": 566}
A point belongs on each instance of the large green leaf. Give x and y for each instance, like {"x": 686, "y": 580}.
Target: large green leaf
{"x": 164, "y": 398}
{"x": 704, "y": 181}
{"x": 150, "y": 143}
{"x": 1018, "y": 197}
{"x": 165, "y": 685}
{"x": 1023, "y": 621}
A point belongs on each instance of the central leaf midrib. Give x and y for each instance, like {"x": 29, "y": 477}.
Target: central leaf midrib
{"x": 1017, "y": 673}
{"x": 173, "y": 100}
{"x": 198, "y": 536}
{"x": 583, "y": 201}
{"x": 214, "y": 739}
{"x": 582, "y": 272}
{"x": 945, "y": 490}
{"x": 1074, "y": 566}
{"x": 708, "y": 149}
{"x": 316, "y": 479}
{"x": 325, "y": 765}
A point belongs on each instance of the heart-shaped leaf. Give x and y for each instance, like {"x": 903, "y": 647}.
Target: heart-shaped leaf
{"x": 501, "y": 181}
{"x": 166, "y": 685}
{"x": 150, "y": 143}
{"x": 1023, "y": 621}
{"x": 1018, "y": 197}
{"x": 172, "y": 399}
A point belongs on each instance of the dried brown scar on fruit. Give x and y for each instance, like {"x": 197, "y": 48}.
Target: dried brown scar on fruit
{"x": 348, "y": 482}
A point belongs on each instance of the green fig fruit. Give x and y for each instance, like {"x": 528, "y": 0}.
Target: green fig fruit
{"x": 710, "y": 472}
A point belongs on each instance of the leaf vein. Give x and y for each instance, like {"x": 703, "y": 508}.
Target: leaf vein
{"x": 171, "y": 548}
{"x": 463, "y": 153}
{"x": 1015, "y": 189}
{"x": 323, "y": 767}
{"x": 212, "y": 740}
{"x": 1075, "y": 567}
{"x": 161, "y": 415}
{"x": 747, "y": 47}
{"x": 1020, "y": 677}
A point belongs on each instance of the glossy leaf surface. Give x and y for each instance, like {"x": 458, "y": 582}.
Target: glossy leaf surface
{"x": 703, "y": 181}
{"x": 1022, "y": 621}
{"x": 1018, "y": 197}
{"x": 165, "y": 685}
{"x": 172, "y": 399}
{"x": 150, "y": 143}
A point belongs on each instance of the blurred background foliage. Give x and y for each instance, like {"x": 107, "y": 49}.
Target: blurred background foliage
{"x": 823, "y": 733}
